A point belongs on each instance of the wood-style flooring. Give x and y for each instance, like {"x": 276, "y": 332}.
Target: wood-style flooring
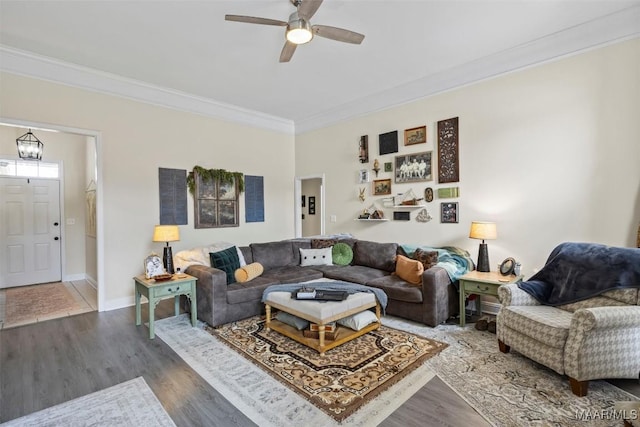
{"x": 48, "y": 363}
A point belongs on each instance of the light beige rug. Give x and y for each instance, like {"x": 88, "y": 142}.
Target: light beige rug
{"x": 38, "y": 301}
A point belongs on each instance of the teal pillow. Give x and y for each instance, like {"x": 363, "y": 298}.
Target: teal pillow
{"x": 228, "y": 261}
{"x": 342, "y": 254}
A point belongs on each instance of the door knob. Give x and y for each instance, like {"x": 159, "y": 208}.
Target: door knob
{"x": 55, "y": 223}
{"x": 56, "y": 238}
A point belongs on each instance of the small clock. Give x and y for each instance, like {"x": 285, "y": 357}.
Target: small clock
{"x": 153, "y": 266}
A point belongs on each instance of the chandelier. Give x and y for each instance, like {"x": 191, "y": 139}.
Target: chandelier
{"x": 29, "y": 147}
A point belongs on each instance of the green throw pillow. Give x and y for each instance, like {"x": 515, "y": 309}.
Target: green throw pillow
{"x": 342, "y": 254}
{"x": 227, "y": 261}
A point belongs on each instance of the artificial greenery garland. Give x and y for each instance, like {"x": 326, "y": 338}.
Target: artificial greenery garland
{"x": 220, "y": 175}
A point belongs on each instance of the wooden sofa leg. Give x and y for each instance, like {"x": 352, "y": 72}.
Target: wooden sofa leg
{"x": 503, "y": 347}
{"x": 579, "y": 388}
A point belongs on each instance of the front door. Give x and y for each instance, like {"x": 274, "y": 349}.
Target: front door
{"x": 30, "y": 231}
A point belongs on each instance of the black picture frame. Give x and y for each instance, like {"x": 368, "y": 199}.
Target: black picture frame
{"x": 413, "y": 167}
{"x": 449, "y": 212}
{"x": 312, "y": 205}
{"x": 388, "y": 142}
{"x": 401, "y": 216}
{"x": 364, "y": 149}
{"x": 304, "y": 201}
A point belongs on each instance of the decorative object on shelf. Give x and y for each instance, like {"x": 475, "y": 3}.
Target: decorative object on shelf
{"x": 361, "y": 195}
{"x": 387, "y": 202}
{"x": 388, "y": 167}
{"x": 406, "y": 199}
{"x": 483, "y": 230}
{"x": 167, "y": 233}
{"x": 153, "y": 266}
{"x": 377, "y": 214}
{"x": 312, "y": 205}
{"x": 376, "y": 167}
{"x": 215, "y": 196}
{"x": 449, "y": 213}
{"x": 381, "y": 187}
{"x": 448, "y": 163}
{"x": 363, "y": 176}
{"x": 423, "y": 216}
{"x": 428, "y": 194}
{"x": 401, "y": 216}
{"x": 415, "y": 135}
{"x": 388, "y": 142}
{"x": 364, "y": 215}
{"x": 413, "y": 167}
{"x": 29, "y": 147}
{"x": 508, "y": 267}
{"x": 364, "y": 149}
{"x": 448, "y": 193}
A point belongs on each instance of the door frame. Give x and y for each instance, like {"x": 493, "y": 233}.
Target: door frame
{"x": 97, "y": 138}
{"x": 297, "y": 206}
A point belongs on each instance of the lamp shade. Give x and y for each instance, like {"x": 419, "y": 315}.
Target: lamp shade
{"x": 483, "y": 230}
{"x": 166, "y": 233}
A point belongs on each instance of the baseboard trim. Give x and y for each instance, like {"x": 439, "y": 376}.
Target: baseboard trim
{"x": 72, "y": 277}
{"x": 118, "y": 303}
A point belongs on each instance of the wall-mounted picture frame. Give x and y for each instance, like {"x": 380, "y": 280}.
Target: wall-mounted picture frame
{"x": 415, "y": 135}
{"x": 388, "y": 167}
{"x": 364, "y": 149}
{"x": 448, "y": 151}
{"x": 388, "y": 142}
{"x": 449, "y": 212}
{"x": 381, "y": 187}
{"x": 428, "y": 194}
{"x": 401, "y": 216}
{"x": 304, "y": 201}
{"x": 312, "y": 205}
{"x": 363, "y": 176}
{"x": 413, "y": 167}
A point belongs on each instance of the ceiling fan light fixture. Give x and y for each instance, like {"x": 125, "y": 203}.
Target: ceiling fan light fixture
{"x": 298, "y": 30}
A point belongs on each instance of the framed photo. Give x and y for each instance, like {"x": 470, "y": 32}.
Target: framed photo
{"x": 304, "y": 201}
{"x": 153, "y": 266}
{"x": 413, "y": 167}
{"x": 449, "y": 213}
{"x": 381, "y": 187}
{"x": 364, "y": 149}
{"x": 415, "y": 135}
{"x": 363, "y": 176}
{"x": 448, "y": 159}
{"x": 388, "y": 142}
{"x": 388, "y": 167}
{"x": 312, "y": 205}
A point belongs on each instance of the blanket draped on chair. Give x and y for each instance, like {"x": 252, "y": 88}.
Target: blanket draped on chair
{"x": 577, "y": 271}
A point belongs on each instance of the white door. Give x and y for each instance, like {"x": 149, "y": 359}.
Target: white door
{"x": 29, "y": 231}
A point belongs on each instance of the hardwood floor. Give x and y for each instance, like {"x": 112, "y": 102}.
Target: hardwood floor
{"x": 50, "y": 362}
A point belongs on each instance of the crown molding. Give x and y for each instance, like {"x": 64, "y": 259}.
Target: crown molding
{"x": 44, "y": 68}
{"x": 617, "y": 27}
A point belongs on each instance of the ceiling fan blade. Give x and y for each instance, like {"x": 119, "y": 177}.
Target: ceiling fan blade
{"x": 254, "y": 20}
{"x": 287, "y": 51}
{"x": 308, "y": 8}
{"x": 338, "y": 34}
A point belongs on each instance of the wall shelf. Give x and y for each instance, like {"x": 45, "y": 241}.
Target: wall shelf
{"x": 372, "y": 220}
{"x": 408, "y": 206}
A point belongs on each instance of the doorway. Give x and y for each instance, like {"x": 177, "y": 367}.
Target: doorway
{"x": 310, "y": 207}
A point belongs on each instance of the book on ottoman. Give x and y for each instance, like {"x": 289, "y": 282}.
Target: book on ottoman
{"x": 329, "y": 336}
{"x": 329, "y": 327}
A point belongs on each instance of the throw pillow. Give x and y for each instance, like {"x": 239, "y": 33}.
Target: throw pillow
{"x": 342, "y": 254}
{"x": 226, "y": 260}
{"x": 375, "y": 255}
{"x": 315, "y": 257}
{"x": 427, "y": 258}
{"x": 409, "y": 270}
{"x": 359, "y": 320}
{"x": 322, "y": 243}
{"x": 248, "y": 272}
{"x": 291, "y": 320}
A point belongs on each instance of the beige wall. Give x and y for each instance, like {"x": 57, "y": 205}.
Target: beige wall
{"x": 550, "y": 153}
{"x": 137, "y": 139}
{"x": 70, "y": 150}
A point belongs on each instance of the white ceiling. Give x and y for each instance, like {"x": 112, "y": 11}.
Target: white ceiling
{"x": 411, "y": 48}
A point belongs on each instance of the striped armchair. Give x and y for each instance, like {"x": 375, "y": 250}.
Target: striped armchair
{"x": 596, "y": 338}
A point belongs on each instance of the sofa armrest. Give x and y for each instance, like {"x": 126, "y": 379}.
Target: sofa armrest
{"x": 589, "y": 319}
{"x": 438, "y": 296}
{"x": 211, "y": 293}
{"x": 511, "y": 294}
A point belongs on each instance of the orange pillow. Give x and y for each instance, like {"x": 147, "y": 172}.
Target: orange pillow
{"x": 409, "y": 270}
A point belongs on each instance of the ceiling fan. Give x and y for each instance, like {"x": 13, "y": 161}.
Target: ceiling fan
{"x": 299, "y": 30}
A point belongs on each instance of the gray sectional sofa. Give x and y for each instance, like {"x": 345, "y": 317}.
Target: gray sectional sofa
{"x": 431, "y": 303}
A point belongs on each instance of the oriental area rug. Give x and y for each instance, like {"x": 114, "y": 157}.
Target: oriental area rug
{"x": 344, "y": 378}
{"x": 505, "y": 389}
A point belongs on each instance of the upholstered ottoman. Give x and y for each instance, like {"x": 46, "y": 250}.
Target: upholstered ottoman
{"x": 321, "y": 313}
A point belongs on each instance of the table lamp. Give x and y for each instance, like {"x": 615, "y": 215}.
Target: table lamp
{"x": 484, "y": 231}
{"x": 167, "y": 233}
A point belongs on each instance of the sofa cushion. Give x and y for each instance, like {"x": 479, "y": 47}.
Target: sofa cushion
{"x": 310, "y": 257}
{"x": 375, "y": 255}
{"x": 248, "y": 272}
{"x": 249, "y": 291}
{"x": 543, "y": 323}
{"x": 359, "y": 320}
{"x": 274, "y": 254}
{"x": 427, "y": 258}
{"x": 409, "y": 270}
{"x": 226, "y": 260}
{"x": 292, "y": 274}
{"x": 397, "y": 289}
{"x": 342, "y": 254}
{"x": 353, "y": 273}
{"x": 323, "y": 243}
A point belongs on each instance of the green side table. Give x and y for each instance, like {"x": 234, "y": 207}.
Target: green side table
{"x": 479, "y": 283}
{"x": 182, "y": 284}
